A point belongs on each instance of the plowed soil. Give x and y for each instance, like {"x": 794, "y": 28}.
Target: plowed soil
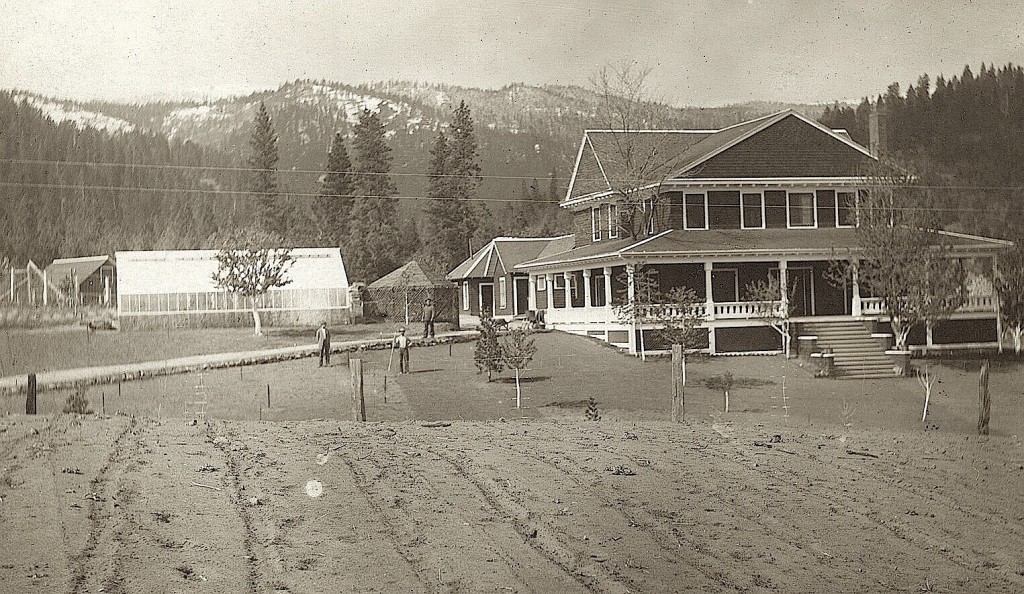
{"x": 124, "y": 504}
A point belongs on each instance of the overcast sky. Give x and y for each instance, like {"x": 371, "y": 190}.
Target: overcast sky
{"x": 702, "y": 53}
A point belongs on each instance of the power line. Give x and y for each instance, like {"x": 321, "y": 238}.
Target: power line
{"x": 254, "y": 170}
{"x": 215, "y": 192}
{"x": 399, "y": 174}
{"x": 251, "y": 193}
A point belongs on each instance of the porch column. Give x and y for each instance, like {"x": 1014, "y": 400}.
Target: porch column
{"x": 549, "y": 282}
{"x": 631, "y": 297}
{"x": 855, "y": 305}
{"x": 709, "y": 300}
{"x": 531, "y": 302}
{"x": 568, "y": 289}
{"x": 607, "y": 286}
{"x": 587, "y": 301}
{"x": 784, "y": 287}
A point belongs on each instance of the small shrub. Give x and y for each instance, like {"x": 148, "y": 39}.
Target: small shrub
{"x": 592, "y": 412}
{"x": 77, "y": 403}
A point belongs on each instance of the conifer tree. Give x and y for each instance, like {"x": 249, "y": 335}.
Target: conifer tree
{"x": 454, "y": 175}
{"x": 375, "y": 247}
{"x": 332, "y": 208}
{"x": 271, "y": 212}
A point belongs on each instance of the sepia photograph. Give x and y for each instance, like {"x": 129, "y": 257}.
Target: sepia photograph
{"x": 534, "y": 296}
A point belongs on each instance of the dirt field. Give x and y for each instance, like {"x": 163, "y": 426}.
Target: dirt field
{"x": 138, "y": 505}
{"x": 854, "y": 494}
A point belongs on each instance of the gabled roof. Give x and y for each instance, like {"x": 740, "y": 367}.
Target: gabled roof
{"x": 502, "y": 254}
{"x": 83, "y": 267}
{"x": 410, "y": 275}
{"x": 734, "y": 242}
{"x": 775, "y": 145}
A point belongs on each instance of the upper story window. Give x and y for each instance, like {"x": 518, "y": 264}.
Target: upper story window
{"x": 695, "y": 211}
{"x": 801, "y": 209}
{"x": 846, "y": 209}
{"x": 613, "y": 222}
{"x": 649, "y": 214}
{"x": 595, "y": 223}
{"x": 752, "y": 209}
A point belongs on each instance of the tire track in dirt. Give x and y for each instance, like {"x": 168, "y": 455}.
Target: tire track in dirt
{"x": 104, "y": 520}
{"x": 333, "y": 539}
{"x": 463, "y": 534}
{"x": 609, "y": 539}
{"x": 709, "y": 562}
{"x": 868, "y": 491}
{"x": 938, "y": 530}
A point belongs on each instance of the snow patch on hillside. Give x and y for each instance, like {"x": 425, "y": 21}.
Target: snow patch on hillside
{"x": 79, "y": 117}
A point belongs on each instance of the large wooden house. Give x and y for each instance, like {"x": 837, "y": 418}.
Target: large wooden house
{"x": 773, "y": 196}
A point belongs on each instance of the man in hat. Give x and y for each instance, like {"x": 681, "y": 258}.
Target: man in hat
{"x": 428, "y": 319}
{"x": 402, "y": 344}
{"x": 323, "y": 343}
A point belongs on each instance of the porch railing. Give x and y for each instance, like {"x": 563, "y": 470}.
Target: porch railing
{"x": 974, "y": 303}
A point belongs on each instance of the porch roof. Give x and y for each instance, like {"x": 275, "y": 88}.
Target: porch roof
{"x": 704, "y": 244}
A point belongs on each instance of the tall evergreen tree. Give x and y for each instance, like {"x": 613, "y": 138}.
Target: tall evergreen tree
{"x": 375, "y": 246}
{"x": 272, "y": 213}
{"x": 332, "y": 208}
{"x": 453, "y": 218}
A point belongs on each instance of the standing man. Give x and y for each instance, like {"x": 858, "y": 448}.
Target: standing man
{"x": 402, "y": 343}
{"x": 323, "y": 341}
{"x": 428, "y": 319}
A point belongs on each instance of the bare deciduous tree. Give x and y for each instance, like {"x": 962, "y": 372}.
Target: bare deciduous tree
{"x": 900, "y": 255}
{"x": 249, "y": 264}
{"x": 640, "y": 160}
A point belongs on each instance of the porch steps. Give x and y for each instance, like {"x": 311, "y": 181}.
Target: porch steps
{"x": 857, "y": 354}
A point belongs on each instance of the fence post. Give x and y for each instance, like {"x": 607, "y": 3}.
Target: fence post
{"x": 678, "y": 383}
{"x": 358, "y": 404}
{"x": 30, "y": 400}
{"x": 986, "y": 402}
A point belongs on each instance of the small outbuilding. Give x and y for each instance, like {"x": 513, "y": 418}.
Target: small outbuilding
{"x": 399, "y": 296}
{"x": 88, "y": 280}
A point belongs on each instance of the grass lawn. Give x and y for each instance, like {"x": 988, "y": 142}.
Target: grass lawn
{"x": 566, "y": 372}
{"x": 26, "y": 351}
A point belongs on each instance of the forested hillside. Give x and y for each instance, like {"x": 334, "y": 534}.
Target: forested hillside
{"x": 964, "y": 137}
{"x": 91, "y": 178}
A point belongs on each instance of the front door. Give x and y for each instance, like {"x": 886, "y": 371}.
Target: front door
{"x": 486, "y": 300}
{"x": 801, "y": 291}
{"x": 522, "y": 290}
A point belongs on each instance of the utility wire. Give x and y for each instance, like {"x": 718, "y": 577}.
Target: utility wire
{"x": 398, "y": 174}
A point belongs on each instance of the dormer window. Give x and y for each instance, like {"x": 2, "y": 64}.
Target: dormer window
{"x": 613, "y": 222}
{"x": 649, "y": 214}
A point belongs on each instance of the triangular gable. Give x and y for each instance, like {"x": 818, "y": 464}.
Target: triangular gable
{"x": 783, "y": 145}
{"x": 601, "y": 162}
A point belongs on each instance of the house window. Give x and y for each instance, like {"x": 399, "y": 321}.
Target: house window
{"x": 502, "y": 293}
{"x": 724, "y": 285}
{"x": 613, "y": 221}
{"x": 695, "y": 212}
{"x": 801, "y": 209}
{"x": 753, "y": 211}
{"x": 648, "y": 208}
{"x": 559, "y": 281}
{"x": 465, "y": 295}
{"x": 846, "y": 209}
{"x": 595, "y": 223}
{"x": 542, "y": 283}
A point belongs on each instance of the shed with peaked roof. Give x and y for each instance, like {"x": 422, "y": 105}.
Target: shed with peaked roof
{"x": 400, "y": 294}
{"x": 88, "y": 280}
